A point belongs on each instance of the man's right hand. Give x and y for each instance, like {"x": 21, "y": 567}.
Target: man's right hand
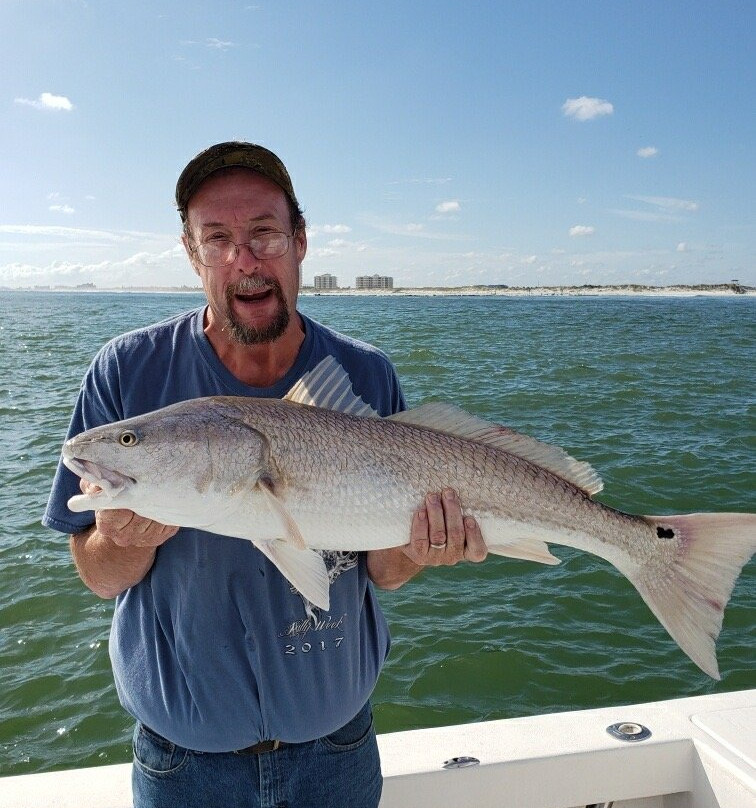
{"x": 126, "y": 528}
{"x": 118, "y": 550}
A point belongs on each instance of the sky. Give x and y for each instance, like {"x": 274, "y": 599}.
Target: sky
{"x": 442, "y": 143}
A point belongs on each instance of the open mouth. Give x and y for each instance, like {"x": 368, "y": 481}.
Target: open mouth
{"x": 253, "y": 297}
{"x": 110, "y": 482}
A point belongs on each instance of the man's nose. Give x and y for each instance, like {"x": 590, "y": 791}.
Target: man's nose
{"x": 245, "y": 259}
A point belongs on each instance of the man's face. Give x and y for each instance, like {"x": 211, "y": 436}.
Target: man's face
{"x": 251, "y": 300}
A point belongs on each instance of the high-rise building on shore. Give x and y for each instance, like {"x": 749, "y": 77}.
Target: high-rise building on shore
{"x": 326, "y": 281}
{"x": 374, "y": 282}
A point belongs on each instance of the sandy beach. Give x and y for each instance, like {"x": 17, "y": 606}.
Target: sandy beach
{"x": 627, "y": 290}
{"x": 620, "y": 290}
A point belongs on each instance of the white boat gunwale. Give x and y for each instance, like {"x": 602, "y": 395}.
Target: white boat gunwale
{"x": 701, "y": 754}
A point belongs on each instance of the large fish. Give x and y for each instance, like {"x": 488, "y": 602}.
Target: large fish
{"x": 319, "y": 470}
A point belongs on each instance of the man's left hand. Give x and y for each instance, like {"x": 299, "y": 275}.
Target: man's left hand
{"x": 441, "y": 535}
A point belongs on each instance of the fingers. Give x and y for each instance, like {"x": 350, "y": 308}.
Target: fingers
{"x": 88, "y": 488}
{"x": 418, "y": 546}
{"x": 475, "y": 547}
{"x": 440, "y": 535}
{"x": 446, "y": 530}
{"x": 127, "y": 529}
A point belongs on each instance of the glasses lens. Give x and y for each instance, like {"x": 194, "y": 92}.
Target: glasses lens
{"x": 222, "y": 252}
{"x": 216, "y": 253}
{"x": 270, "y": 245}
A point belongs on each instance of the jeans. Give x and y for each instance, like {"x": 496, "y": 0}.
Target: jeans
{"x": 341, "y": 770}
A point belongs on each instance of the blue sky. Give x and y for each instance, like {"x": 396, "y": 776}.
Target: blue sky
{"x": 446, "y": 143}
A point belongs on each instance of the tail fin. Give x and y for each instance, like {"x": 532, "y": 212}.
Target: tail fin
{"x": 689, "y": 598}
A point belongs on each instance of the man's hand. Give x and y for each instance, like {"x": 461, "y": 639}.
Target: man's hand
{"x": 126, "y": 528}
{"x": 118, "y": 550}
{"x": 440, "y": 535}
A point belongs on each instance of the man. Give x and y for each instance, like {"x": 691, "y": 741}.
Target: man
{"x": 244, "y": 693}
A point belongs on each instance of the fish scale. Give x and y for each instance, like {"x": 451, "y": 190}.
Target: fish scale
{"x": 404, "y": 464}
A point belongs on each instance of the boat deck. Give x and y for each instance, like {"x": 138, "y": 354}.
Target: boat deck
{"x": 701, "y": 753}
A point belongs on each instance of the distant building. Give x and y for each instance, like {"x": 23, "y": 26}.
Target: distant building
{"x": 374, "y": 282}
{"x": 326, "y": 281}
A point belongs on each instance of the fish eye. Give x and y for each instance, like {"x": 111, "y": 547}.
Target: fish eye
{"x": 128, "y": 439}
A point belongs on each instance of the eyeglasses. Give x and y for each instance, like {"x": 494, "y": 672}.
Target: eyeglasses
{"x": 220, "y": 252}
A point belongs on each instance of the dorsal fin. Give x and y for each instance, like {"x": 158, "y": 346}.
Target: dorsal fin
{"x": 328, "y": 385}
{"x": 445, "y": 417}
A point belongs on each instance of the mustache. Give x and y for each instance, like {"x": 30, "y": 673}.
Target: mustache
{"x": 252, "y": 283}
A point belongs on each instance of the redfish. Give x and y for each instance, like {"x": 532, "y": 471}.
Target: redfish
{"x": 318, "y": 470}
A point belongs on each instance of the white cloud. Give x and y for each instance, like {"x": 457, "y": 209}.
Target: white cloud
{"x": 582, "y": 230}
{"x": 585, "y": 109}
{"x": 47, "y": 101}
{"x": 313, "y": 231}
{"x": 148, "y": 259}
{"x": 75, "y": 234}
{"x": 135, "y": 270}
{"x": 452, "y": 206}
{"x": 219, "y": 44}
{"x": 647, "y": 151}
{"x": 67, "y": 209}
{"x": 646, "y": 215}
{"x": 682, "y": 247}
{"x": 668, "y": 202}
{"x": 408, "y": 229}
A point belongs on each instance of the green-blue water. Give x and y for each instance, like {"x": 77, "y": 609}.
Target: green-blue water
{"x": 658, "y": 394}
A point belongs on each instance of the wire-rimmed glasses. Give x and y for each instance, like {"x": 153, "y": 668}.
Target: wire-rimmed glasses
{"x": 220, "y": 252}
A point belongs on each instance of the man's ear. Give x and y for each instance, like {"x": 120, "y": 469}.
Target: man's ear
{"x": 189, "y": 253}
{"x": 300, "y": 243}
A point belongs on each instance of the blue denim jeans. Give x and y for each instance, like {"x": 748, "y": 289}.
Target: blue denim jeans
{"x": 341, "y": 770}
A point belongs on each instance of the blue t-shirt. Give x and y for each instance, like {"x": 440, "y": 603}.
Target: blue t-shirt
{"x": 212, "y": 649}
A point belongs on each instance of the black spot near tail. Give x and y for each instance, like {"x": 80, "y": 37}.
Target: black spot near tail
{"x": 665, "y": 533}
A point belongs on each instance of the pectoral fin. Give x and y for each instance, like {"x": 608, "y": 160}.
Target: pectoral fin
{"x": 304, "y": 569}
{"x": 290, "y": 528}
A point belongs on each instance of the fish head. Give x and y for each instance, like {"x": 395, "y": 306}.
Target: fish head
{"x": 170, "y": 465}
{"x": 91, "y": 457}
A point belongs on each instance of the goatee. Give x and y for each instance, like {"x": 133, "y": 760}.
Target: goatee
{"x": 248, "y": 334}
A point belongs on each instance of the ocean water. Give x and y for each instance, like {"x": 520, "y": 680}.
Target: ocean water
{"x": 656, "y": 393}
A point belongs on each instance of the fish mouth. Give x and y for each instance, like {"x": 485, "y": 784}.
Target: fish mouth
{"x": 110, "y": 482}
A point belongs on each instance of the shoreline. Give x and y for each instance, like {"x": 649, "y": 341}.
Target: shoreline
{"x": 620, "y": 290}
{"x": 625, "y": 290}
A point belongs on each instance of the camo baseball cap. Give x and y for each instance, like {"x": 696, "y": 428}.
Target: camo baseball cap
{"x": 228, "y": 155}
